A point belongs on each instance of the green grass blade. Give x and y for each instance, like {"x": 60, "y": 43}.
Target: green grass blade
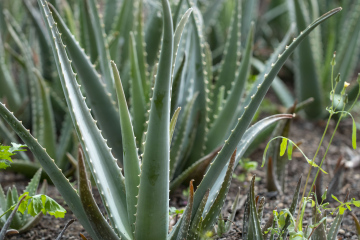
{"x": 98, "y": 223}
{"x": 218, "y": 131}
{"x": 153, "y": 200}
{"x": 108, "y": 117}
{"x": 131, "y": 158}
{"x": 98, "y": 154}
{"x": 60, "y": 181}
{"x": 238, "y": 132}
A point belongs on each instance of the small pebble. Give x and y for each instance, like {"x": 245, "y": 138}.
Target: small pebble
{"x": 341, "y": 231}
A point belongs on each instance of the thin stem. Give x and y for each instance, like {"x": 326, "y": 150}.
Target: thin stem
{"x": 327, "y": 149}
{"x": 308, "y": 176}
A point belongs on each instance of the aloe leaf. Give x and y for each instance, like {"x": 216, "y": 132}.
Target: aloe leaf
{"x": 64, "y": 142}
{"x": 153, "y": 199}
{"x": 200, "y": 85}
{"x": 175, "y": 89}
{"x": 111, "y": 8}
{"x": 31, "y": 189}
{"x": 97, "y": 153}
{"x": 108, "y": 117}
{"x": 252, "y": 133}
{"x": 176, "y": 9}
{"x": 249, "y": 13}
{"x": 12, "y": 198}
{"x": 87, "y": 36}
{"x": 138, "y": 102}
{"x": 212, "y": 11}
{"x": 103, "y": 50}
{"x": 181, "y": 138}
{"x": 140, "y": 49}
{"x": 131, "y": 158}
{"x": 195, "y": 231}
{"x": 196, "y": 171}
{"x": 99, "y": 224}
{"x": 153, "y": 32}
{"x": 45, "y": 50}
{"x": 238, "y": 132}
{"x": 123, "y": 24}
{"x": 7, "y": 84}
{"x": 261, "y": 77}
{"x": 225, "y": 117}
{"x": 254, "y": 230}
{"x": 215, "y": 209}
{"x": 307, "y": 77}
{"x": 280, "y": 89}
{"x": 185, "y": 223}
{"x": 230, "y": 62}
{"x": 260, "y": 208}
{"x": 178, "y": 33}
{"x": 349, "y": 49}
{"x": 317, "y": 219}
{"x": 33, "y": 184}
{"x": 292, "y": 208}
{"x": 48, "y": 121}
{"x": 234, "y": 208}
{"x": 9, "y": 219}
{"x": 36, "y": 103}
{"x": 173, "y": 122}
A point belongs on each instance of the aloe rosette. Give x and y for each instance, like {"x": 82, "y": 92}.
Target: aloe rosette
{"x": 137, "y": 198}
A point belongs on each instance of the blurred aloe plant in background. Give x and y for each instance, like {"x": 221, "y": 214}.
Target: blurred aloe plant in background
{"x": 152, "y": 147}
{"x": 312, "y": 60}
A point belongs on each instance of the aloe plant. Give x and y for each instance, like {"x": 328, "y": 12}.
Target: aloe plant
{"x": 136, "y": 200}
{"x": 313, "y": 57}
